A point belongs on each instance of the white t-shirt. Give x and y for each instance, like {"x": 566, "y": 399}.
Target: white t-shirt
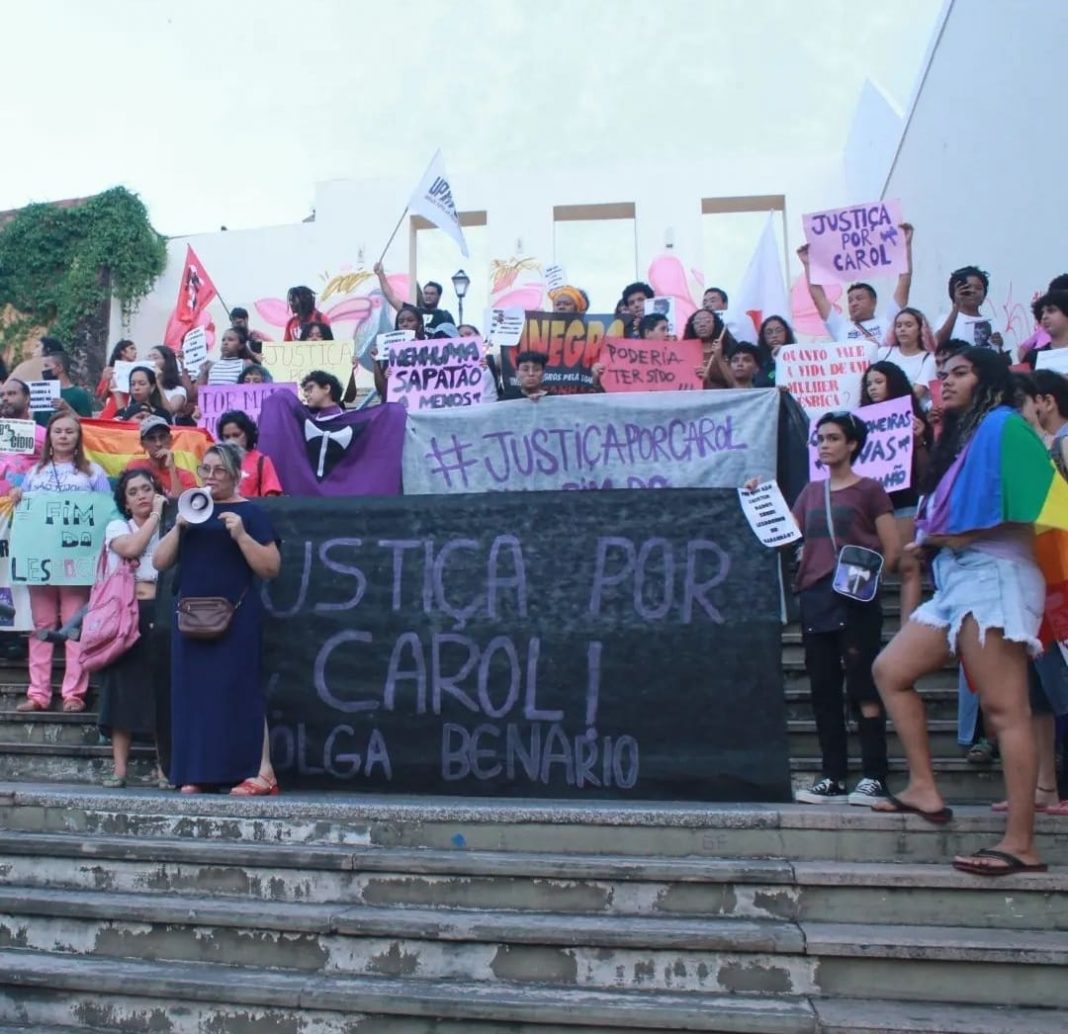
{"x": 170, "y": 394}
{"x": 146, "y": 569}
{"x": 225, "y": 371}
{"x": 919, "y": 368}
{"x": 976, "y": 330}
{"x": 842, "y": 328}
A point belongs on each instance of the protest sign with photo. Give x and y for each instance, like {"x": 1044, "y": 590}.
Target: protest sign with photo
{"x": 18, "y": 436}
{"x": 662, "y": 307}
{"x": 441, "y": 373}
{"x": 634, "y": 365}
{"x": 215, "y": 399}
{"x": 856, "y": 242}
{"x": 56, "y": 537}
{"x": 887, "y": 454}
{"x": 824, "y": 376}
{"x": 572, "y": 344}
{"x": 505, "y": 327}
{"x": 707, "y": 439}
{"x": 42, "y": 395}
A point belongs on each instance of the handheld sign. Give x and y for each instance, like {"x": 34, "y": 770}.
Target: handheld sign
{"x": 768, "y": 515}
{"x": 18, "y": 436}
{"x": 555, "y": 276}
{"x": 123, "y": 370}
{"x": 42, "y": 395}
{"x": 56, "y": 537}
{"x": 887, "y": 454}
{"x": 215, "y": 399}
{"x": 195, "y": 350}
{"x": 854, "y": 243}
{"x": 505, "y": 327}
{"x": 662, "y": 307}
{"x": 384, "y": 342}
{"x": 1055, "y": 359}
{"x": 651, "y": 365}
{"x": 437, "y": 374}
{"x": 824, "y": 376}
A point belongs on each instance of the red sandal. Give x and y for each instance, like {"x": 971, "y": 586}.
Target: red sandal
{"x": 256, "y": 786}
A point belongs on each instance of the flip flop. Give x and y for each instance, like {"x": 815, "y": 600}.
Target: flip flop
{"x": 1012, "y": 864}
{"x": 936, "y": 818}
{"x": 1003, "y": 806}
{"x": 1057, "y": 809}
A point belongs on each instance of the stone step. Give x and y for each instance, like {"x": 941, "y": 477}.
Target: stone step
{"x": 829, "y": 891}
{"x": 191, "y": 998}
{"x": 600, "y": 828}
{"x": 71, "y": 763}
{"x": 940, "y": 704}
{"x": 942, "y": 734}
{"x": 844, "y": 1016}
{"x": 958, "y": 780}
{"x": 931, "y": 963}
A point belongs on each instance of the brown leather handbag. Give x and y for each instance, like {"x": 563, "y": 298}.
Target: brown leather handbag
{"x": 206, "y": 617}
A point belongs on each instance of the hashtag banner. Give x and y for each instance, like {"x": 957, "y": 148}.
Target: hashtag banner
{"x": 708, "y": 439}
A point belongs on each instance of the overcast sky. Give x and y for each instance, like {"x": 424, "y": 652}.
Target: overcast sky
{"x": 227, "y": 112}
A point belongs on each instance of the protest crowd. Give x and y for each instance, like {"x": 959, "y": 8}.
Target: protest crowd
{"x": 987, "y": 448}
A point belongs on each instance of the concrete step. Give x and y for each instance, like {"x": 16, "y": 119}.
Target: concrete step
{"x": 929, "y": 963}
{"x": 917, "y": 894}
{"x": 942, "y": 733}
{"x": 640, "y": 830}
{"x": 192, "y": 998}
{"x": 940, "y": 702}
{"x": 958, "y": 780}
{"x": 71, "y": 763}
{"x": 843, "y": 1016}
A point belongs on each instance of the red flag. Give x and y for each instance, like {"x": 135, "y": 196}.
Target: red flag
{"x": 195, "y": 293}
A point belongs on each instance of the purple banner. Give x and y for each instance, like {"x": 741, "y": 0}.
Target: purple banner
{"x": 356, "y": 453}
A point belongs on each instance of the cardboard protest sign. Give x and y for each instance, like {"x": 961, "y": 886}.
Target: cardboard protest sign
{"x": 195, "y": 350}
{"x": 706, "y": 439}
{"x": 42, "y": 395}
{"x": 290, "y": 361}
{"x": 441, "y": 373}
{"x": 855, "y": 243}
{"x": 18, "y": 436}
{"x": 123, "y": 370}
{"x": 662, "y": 307}
{"x": 56, "y": 537}
{"x": 572, "y": 343}
{"x": 505, "y": 327}
{"x": 215, "y": 399}
{"x": 1055, "y": 359}
{"x": 13, "y": 469}
{"x": 633, "y": 365}
{"x": 768, "y": 515}
{"x": 824, "y": 376}
{"x": 488, "y": 646}
{"x": 887, "y": 454}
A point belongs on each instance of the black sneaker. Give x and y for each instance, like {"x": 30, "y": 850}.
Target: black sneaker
{"x": 867, "y": 792}
{"x": 826, "y": 791}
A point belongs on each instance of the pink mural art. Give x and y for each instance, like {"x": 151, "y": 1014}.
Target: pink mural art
{"x": 667, "y": 277}
{"x": 804, "y": 316}
{"x": 517, "y": 283}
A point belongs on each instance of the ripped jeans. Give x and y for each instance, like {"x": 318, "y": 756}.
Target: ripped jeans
{"x": 849, "y": 653}
{"x": 996, "y": 592}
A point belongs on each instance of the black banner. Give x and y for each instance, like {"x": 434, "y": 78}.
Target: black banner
{"x": 553, "y": 644}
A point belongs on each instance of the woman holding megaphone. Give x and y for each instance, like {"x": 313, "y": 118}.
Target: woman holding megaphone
{"x": 225, "y": 549}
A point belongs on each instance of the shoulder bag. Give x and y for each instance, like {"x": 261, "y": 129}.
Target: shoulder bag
{"x": 857, "y": 570}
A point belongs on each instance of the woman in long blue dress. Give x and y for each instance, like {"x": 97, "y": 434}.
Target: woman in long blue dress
{"x": 219, "y": 730}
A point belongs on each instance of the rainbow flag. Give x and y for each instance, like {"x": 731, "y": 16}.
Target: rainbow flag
{"x": 114, "y": 443}
{"x": 1005, "y": 475}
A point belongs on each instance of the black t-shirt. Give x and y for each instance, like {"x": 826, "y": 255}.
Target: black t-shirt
{"x": 435, "y": 317}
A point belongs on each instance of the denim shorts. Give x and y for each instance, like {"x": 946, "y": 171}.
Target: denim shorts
{"x": 997, "y": 593}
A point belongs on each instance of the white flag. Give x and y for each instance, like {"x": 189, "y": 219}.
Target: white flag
{"x": 432, "y": 199}
{"x": 763, "y": 291}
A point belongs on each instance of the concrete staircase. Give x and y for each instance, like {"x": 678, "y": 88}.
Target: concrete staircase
{"x": 144, "y": 911}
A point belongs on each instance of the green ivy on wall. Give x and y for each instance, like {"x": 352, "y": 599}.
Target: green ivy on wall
{"x": 59, "y": 266}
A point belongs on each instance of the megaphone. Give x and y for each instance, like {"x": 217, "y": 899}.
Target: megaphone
{"x": 196, "y": 505}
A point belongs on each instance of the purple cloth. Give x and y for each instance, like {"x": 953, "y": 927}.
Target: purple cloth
{"x": 356, "y": 453}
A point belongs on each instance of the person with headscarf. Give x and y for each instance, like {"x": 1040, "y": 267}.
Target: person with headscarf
{"x": 569, "y": 299}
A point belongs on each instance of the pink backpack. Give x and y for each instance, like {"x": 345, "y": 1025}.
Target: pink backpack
{"x": 110, "y": 625}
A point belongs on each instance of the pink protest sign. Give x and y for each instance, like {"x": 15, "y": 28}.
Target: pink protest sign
{"x": 441, "y": 373}
{"x": 855, "y": 243}
{"x": 215, "y": 399}
{"x": 634, "y": 365}
{"x": 887, "y": 454}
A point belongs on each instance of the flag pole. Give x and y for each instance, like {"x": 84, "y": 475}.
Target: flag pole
{"x": 393, "y": 234}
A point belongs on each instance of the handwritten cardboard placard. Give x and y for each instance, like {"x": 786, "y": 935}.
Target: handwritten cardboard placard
{"x": 438, "y": 374}
{"x": 887, "y": 454}
{"x": 216, "y": 399}
{"x": 195, "y": 350}
{"x": 826, "y": 375}
{"x": 632, "y": 365}
{"x": 290, "y": 361}
{"x": 42, "y": 395}
{"x": 18, "y": 436}
{"x": 856, "y": 242}
{"x": 56, "y": 537}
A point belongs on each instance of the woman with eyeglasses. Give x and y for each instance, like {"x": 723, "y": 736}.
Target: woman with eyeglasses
{"x": 842, "y": 636}
{"x": 219, "y": 727}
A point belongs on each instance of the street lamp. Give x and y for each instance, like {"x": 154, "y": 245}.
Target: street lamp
{"x": 460, "y": 283}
